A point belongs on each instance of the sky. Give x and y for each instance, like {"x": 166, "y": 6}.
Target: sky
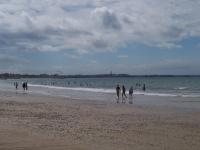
{"x": 138, "y": 37}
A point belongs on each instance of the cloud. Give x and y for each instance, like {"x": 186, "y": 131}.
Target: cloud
{"x": 107, "y": 18}
{"x": 90, "y": 25}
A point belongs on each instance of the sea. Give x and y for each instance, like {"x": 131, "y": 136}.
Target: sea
{"x": 104, "y": 88}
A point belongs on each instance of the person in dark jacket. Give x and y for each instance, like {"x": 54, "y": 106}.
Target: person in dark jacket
{"x": 124, "y": 92}
{"x": 118, "y": 91}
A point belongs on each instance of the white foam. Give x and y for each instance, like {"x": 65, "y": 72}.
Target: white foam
{"x": 191, "y": 96}
{"x": 155, "y": 94}
{"x": 76, "y": 88}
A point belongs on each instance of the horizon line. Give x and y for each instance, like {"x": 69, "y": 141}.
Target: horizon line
{"x": 102, "y": 74}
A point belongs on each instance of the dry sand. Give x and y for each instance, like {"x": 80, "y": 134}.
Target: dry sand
{"x": 30, "y": 122}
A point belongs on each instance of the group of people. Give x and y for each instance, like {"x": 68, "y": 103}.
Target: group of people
{"x": 24, "y": 85}
{"x": 122, "y": 91}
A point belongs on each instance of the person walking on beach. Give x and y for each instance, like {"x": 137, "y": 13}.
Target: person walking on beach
{"x": 118, "y": 91}
{"x": 16, "y": 85}
{"x": 26, "y": 86}
{"x": 131, "y": 92}
{"x": 123, "y": 93}
{"x": 131, "y": 95}
{"x": 23, "y": 85}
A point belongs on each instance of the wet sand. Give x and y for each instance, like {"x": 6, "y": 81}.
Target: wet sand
{"x": 33, "y": 122}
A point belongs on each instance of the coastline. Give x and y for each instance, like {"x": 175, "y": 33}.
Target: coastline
{"x": 31, "y": 121}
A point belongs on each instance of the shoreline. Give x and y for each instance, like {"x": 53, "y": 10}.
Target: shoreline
{"x": 173, "y": 103}
{"x": 46, "y": 122}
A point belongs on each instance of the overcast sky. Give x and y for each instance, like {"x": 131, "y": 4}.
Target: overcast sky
{"x": 99, "y": 36}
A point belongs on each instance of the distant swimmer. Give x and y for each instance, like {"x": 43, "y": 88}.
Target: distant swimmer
{"x": 118, "y": 92}
{"x": 138, "y": 84}
{"x": 123, "y": 93}
{"x": 144, "y": 87}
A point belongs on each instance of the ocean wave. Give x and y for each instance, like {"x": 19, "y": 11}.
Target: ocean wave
{"x": 76, "y": 88}
{"x": 112, "y": 91}
{"x": 155, "y": 94}
{"x": 181, "y": 88}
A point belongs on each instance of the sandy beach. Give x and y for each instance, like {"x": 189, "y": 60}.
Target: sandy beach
{"x": 33, "y": 122}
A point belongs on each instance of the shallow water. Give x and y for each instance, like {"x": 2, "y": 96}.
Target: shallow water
{"x": 182, "y": 94}
{"x": 105, "y": 87}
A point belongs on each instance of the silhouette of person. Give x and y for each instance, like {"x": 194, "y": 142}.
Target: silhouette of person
{"x": 23, "y": 86}
{"x": 118, "y": 91}
{"x": 131, "y": 91}
{"x": 16, "y": 85}
{"x": 26, "y": 86}
{"x": 144, "y": 87}
{"x": 131, "y": 95}
{"x": 123, "y": 92}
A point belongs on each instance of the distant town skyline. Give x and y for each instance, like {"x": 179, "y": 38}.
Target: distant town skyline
{"x": 140, "y": 37}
